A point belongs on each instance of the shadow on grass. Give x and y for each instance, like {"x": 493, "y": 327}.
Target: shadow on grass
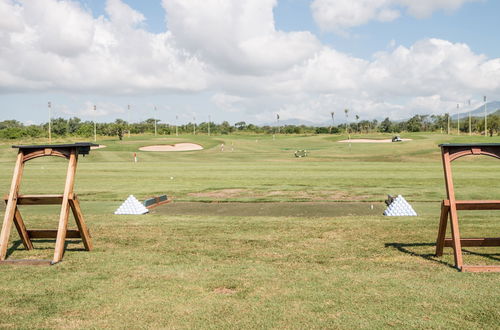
{"x": 408, "y": 249}
{"x": 18, "y": 246}
{"x": 492, "y": 256}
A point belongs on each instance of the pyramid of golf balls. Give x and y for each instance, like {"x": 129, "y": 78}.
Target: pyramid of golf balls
{"x": 131, "y": 206}
{"x": 400, "y": 207}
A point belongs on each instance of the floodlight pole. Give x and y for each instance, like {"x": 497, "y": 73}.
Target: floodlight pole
{"x": 50, "y": 119}
{"x": 448, "y": 123}
{"x": 470, "y": 122}
{"x": 485, "y": 118}
{"x": 155, "y": 119}
{"x": 95, "y": 125}
{"x": 458, "y": 119}
{"x": 128, "y": 108}
{"x": 333, "y": 122}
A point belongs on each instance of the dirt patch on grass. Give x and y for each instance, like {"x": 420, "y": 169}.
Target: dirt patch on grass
{"x": 370, "y": 141}
{"x": 224, "y": 290}
{"x": 98, "y": 147}
{"x": 297, "y": 195}
{"x": 172, "y": 147}
{"x": 280, "y": 209}
{"x": 224, "y": 193}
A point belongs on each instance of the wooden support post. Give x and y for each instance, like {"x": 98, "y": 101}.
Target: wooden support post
{"x": 63, "y": 217}
{"x": 80, "y": 222}
{"x": 10, "y": 210}
{"x": 443, "y": 221}
{"x": 450, "y": 191}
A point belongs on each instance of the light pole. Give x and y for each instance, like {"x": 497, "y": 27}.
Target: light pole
{"x": 194, "y": 125}
{"x": 485, "y": 118}
{"x": 346, "y": 111}
{"x": 448, "y": 114}
{"x": 128, "y": 108}
{"x": 333, "y": 122}
{"x": 155, "y": 119}
{"x": 95, "y": 125}
{"x": 50, "y": 119}
{"x": 470, "y": 122}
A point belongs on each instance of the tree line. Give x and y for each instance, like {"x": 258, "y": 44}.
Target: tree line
{"x": 61, "y": 127}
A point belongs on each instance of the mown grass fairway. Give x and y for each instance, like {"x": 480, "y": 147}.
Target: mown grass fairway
{"x": 229, "y": 270}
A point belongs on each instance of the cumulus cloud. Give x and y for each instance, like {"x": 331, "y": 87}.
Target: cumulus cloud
{"x": 57, "y": 45}
{"x": 338, "y": 15}
{"x": 237, "y": 36}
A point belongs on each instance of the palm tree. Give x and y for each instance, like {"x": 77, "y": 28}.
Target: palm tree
{"x": 357, "y": 124}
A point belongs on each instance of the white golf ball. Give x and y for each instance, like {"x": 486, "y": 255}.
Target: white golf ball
{"x": 171, "y": 178}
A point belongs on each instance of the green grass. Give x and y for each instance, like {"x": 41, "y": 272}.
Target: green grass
{"x": 183, "y": 267}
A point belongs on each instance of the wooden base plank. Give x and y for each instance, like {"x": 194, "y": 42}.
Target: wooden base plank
{"x": 38, "y": 199}
{"x": 470, "y": 205}
{"x": 158, "y": 204}
{"x": 26, "y": 262}
{"x": 480, "y": 269}
{"x": 494, "y": 241}
{"x": 52, "y": 233}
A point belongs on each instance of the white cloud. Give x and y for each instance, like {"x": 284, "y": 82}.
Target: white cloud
{"x": 338, "y": 15}
{"x": 237, "y": 36}
{"x": 57, "y": 45}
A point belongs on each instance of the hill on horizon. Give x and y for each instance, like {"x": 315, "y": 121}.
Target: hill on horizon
{"x": 492, "y": 107}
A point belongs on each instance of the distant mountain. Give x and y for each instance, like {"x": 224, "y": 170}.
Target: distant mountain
{"x": 492, "y": 107}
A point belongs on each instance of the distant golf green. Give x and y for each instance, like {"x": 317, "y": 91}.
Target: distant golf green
{"x": 256, "y": 237}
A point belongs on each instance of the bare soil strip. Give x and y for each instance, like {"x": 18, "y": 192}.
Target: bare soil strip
{"x": 283, "y": 209}
{"x": 173, "y": 147}
{"x": 98, "y": 147}
{"x": 371, "y": 140}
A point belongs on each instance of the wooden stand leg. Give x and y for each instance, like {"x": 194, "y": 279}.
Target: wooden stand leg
{"x": 80, "y": 222}
{"x": 445, "y": 211}
{"x": 455, "y": 236}
{"x": 21, "y": 229}
{"x": 10, "y": 210}
{"x": 63, "y": 217}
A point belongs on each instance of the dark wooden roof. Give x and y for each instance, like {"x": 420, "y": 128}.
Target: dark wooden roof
{"x": 470, "y": 145}
{"x": 82, "y": 147}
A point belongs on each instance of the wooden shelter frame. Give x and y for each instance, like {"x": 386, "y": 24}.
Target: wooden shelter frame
{"x": 68, "y": 200}
{"x": 450, "y": 206}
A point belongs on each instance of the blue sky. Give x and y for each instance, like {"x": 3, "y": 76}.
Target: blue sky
{"x": 246, "y": 60}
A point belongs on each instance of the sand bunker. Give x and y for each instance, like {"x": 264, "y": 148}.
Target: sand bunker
{"x": 371, "y": 141}
{"x": 98, "y": 147}
{"x": 173, "y": 147}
